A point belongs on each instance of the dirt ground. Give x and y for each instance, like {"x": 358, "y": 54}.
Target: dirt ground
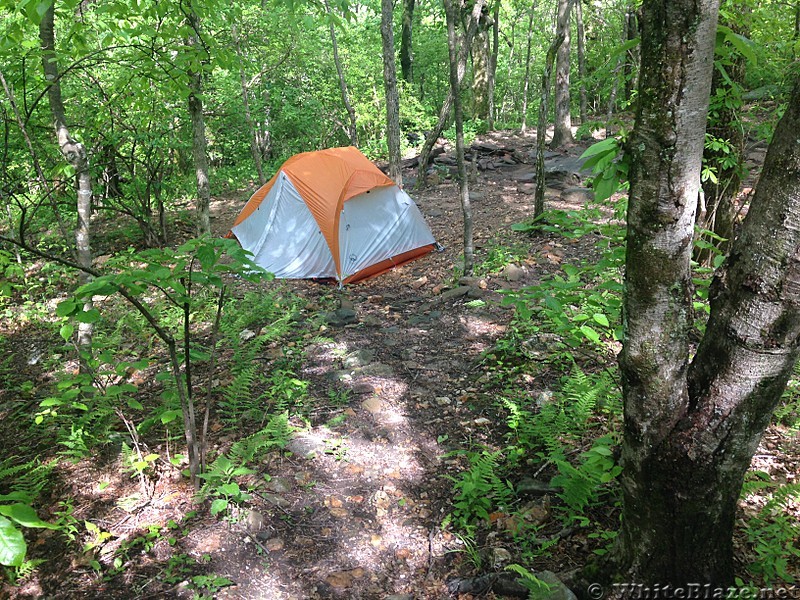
{"x": 354, "y": 507}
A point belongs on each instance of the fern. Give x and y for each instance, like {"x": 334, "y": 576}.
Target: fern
{"x": 274, "y": 435}
{"x": 480, "y": 489}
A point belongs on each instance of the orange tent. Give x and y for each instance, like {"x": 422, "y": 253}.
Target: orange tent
{"x": 331, "y": 213}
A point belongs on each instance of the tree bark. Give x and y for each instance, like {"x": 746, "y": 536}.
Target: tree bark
{"x": 392, "y": 98}
{"x": 406, "y": 47}
{"x": 680, "y": 439}
{"x": 581, "y": 33}
{"x": 75, "y": 154}
{"x": 544, "y": 103}
{"x": 351, "y": 112}
{"x": 480, "y": 69}
{"x": 493, "y": 63}
{"x": 199, "y": 141}
{"x": 248, "y": 117}
{"x": 562, "y": 127}
{"x": 526, "y": 80}
{"x": 444, "y": 112}
{"x": 463, "y": 183}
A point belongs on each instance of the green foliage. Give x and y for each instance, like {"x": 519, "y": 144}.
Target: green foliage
{"x": 609, "y": 166}
{"x": 581, "y": 306}
{"x": 774, "y": 531}
{"x": 498, "y": 256}
{"x": 480, "y": 489}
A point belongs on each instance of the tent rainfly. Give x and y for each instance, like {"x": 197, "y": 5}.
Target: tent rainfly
{"x": 331, "y": 214}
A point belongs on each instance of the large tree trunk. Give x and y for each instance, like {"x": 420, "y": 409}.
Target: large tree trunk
{"x": 690, "y": 433}
{"x": 444, "y": 112}
{"x": 75, "y": 154}
{"x": 562, "y": 127}
{"x": 455, "y": 87}
{"x": 248, "y": 116}
{"x": 199, "y": 141}
{"x": 392, "y": 99}
{"x": 406, "y": 47}
{"x": 351, "y": 112}
{"x": 581, "y": 33}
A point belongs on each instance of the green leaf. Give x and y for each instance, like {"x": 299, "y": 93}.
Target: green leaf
{"x": 135, "y": 404}
{"x": 606, "y": 145}
{"x": 601, "y": 319}
{"x": 25, "y": 516}
{"x": 590, "y": 333}
{"x": 66, "y": 331}
{"x": 66, "y": 308}
{"x": 218, "y": 505}
{"x": 742, "y": 44}
{"x": 12, "y": 544}
{"x": 229, "y": 489}
{"x": 88, "y": 316}
{"x": 168, "y": 416}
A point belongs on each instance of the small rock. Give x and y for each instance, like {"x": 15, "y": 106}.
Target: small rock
{"x": 254, "y": 521}
{"x": 279, "y": 485}
{"x": 500, "y": 557}
{"x": 372, "y": 405}
{"x": 344, "y": 579}
{"x": 443, "y": 400}
{"x": 363, "y": 387}
{"x": 477, "y": 196}
{"x": 558, "y": 591}
{"x": 529, "y": 189}
{"x": 577, "y": 195}
{"x": 482, "y": 421}
{"x": 418, "y": 283}
{"x": 462, "y": 290}
{"x": 247, "y": 334}
{"x": 359, "y": 358}
{"x": 346, "y": 315}
{"x": 274, "y": 544}
{"x": 512, "y": 272}
{"x": 276, "y": 500}
{"x": 376, "y": 370}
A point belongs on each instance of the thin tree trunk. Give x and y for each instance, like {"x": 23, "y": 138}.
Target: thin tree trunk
{"x": 612, "y": 97}
{"x": 562, "y": 125}
{"x": 480, "y": 69}
{"x": 248, "y": 117}
{"x": 493, "y": 63}
{"x": 526, "y": 81}
{"x": 720, "y": 207}
{"x": 392, "y": 99}
{"x": 630, "y": 34}
{"x": 444, "y": 112}
{"x": 544, "y": 103}
{"x": 199, "y": 141}
{"x": 75, "y": 154}
{"x": 581, "y": 32}
{"x": 406, "y": 47}
{"x": 463, "y": 183}
{"x": 351, "y": 112}
{"x": 62, "y": 226}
